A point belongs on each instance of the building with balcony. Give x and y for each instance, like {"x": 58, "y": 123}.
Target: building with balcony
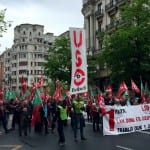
{"x": 27, "y": 55}
{"x": 99, "y": 16}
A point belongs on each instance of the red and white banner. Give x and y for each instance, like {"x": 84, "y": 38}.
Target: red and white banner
{"x": 121, "y": 120}
{"x": 79, "y": 61}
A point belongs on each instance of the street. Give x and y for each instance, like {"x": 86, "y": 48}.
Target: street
{"x": 95, "y": 141}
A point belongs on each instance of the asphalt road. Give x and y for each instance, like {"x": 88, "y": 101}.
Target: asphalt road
{"x": 95, "y": 141}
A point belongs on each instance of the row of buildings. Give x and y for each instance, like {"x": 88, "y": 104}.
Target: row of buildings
{"x": 26, "y": 56}
{"x": 30, "y": 46}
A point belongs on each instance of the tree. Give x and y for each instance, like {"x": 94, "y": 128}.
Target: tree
{"x": 3, "y": 24}
{"x": 58, "y": 63}
{"x": 127, "y": 51}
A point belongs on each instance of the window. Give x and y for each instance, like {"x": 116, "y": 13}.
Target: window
{"x": 14, "y": 65}
{"x": 13, "y": 72}
{"x": 99, "y": 7}
{"x": 39, "y": 55}
{"x": 22, "y": 71}
{"x": 22, "y": 55}
{"x": 113, "y": 2}
{"x": 39, "y": 63}
{"x": 35, "y": 47}
{"x": 23, "y": 63}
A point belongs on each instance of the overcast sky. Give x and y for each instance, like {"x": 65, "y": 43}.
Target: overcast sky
{"x": 56, "y": 16}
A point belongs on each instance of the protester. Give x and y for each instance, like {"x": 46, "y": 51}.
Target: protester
{"x": 24, "y": 120}
{"x": 61, "y": 120}
{"x": 44, "y": 117}
{"x": 96, "y": 117}
{"x": 78, "y": 119}
{"x": 3, "y": 116}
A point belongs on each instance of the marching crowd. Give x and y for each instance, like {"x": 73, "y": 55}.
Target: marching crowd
{"x": 51, "y": 114}
{"x": 54, "y": 114}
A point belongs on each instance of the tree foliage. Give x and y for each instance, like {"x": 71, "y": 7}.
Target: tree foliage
{"x": 127, "y": 50}
{"x": 58, "y": 63}
{"x": 3, "y": 24}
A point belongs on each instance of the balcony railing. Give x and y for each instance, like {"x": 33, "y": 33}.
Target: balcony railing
{"x": 110, "y": 6}
{"x": 99, "y": 14}
{"x": 115, "y": 24}
{"x": 119, "y": 2}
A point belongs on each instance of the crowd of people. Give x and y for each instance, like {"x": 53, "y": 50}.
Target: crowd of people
{"x": 16, "y": 114}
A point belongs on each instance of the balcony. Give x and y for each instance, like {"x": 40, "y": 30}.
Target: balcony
{"x": 100, "y": 34}
{"x": 111, "y": 8}
{"x": 115, "y": 24}
{"x": 120, "y": 2}
{"x": 99, "y": 14}
{"x": 111, "y": 27}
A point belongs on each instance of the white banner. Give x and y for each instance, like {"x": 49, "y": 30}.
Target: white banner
{"x": 79, "y": 61}
{"x": 120, "y": 120}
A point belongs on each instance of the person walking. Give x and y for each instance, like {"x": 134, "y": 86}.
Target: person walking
{"x": 78, "y": 119}
{"x": 3, "y": 116}
{"x": 61, "y": 120}
{"x": 96, "y": 117}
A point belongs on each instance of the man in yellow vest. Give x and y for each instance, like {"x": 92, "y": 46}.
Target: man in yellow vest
{"x": 78, "y": 119}
{"x": 61, "y": 119}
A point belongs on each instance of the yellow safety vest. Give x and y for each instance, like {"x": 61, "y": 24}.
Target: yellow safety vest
{"x": 77, "y": 106}
{"x": 63, "y": 113}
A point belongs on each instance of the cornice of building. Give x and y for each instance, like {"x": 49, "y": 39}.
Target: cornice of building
{"x": 28, "y": 24}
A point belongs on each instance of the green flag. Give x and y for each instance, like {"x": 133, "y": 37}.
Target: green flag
{"x": 37, "y": 100}
{"x": 6, "y": 94}
{"x": 11, "y": 95}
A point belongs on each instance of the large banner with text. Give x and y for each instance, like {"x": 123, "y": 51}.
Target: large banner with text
{"x": 126, "y": 119}
{"x": 79, "y": 61}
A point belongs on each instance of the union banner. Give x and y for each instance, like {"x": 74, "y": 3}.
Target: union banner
{"x": 79, "y": 61}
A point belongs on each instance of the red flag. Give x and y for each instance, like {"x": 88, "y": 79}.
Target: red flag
{"x": 134, "y": 87}
{"x": 33, "y": 86}
{"x": 108, "y": 89}
{"x": 101, "y": 103}
{"x": 23, "y": 85}
{"x": 40, "y": 82}
{"x": 122, "y": 88}
{"x": 57, "y": 94}
{"x": 1, "y": 94}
